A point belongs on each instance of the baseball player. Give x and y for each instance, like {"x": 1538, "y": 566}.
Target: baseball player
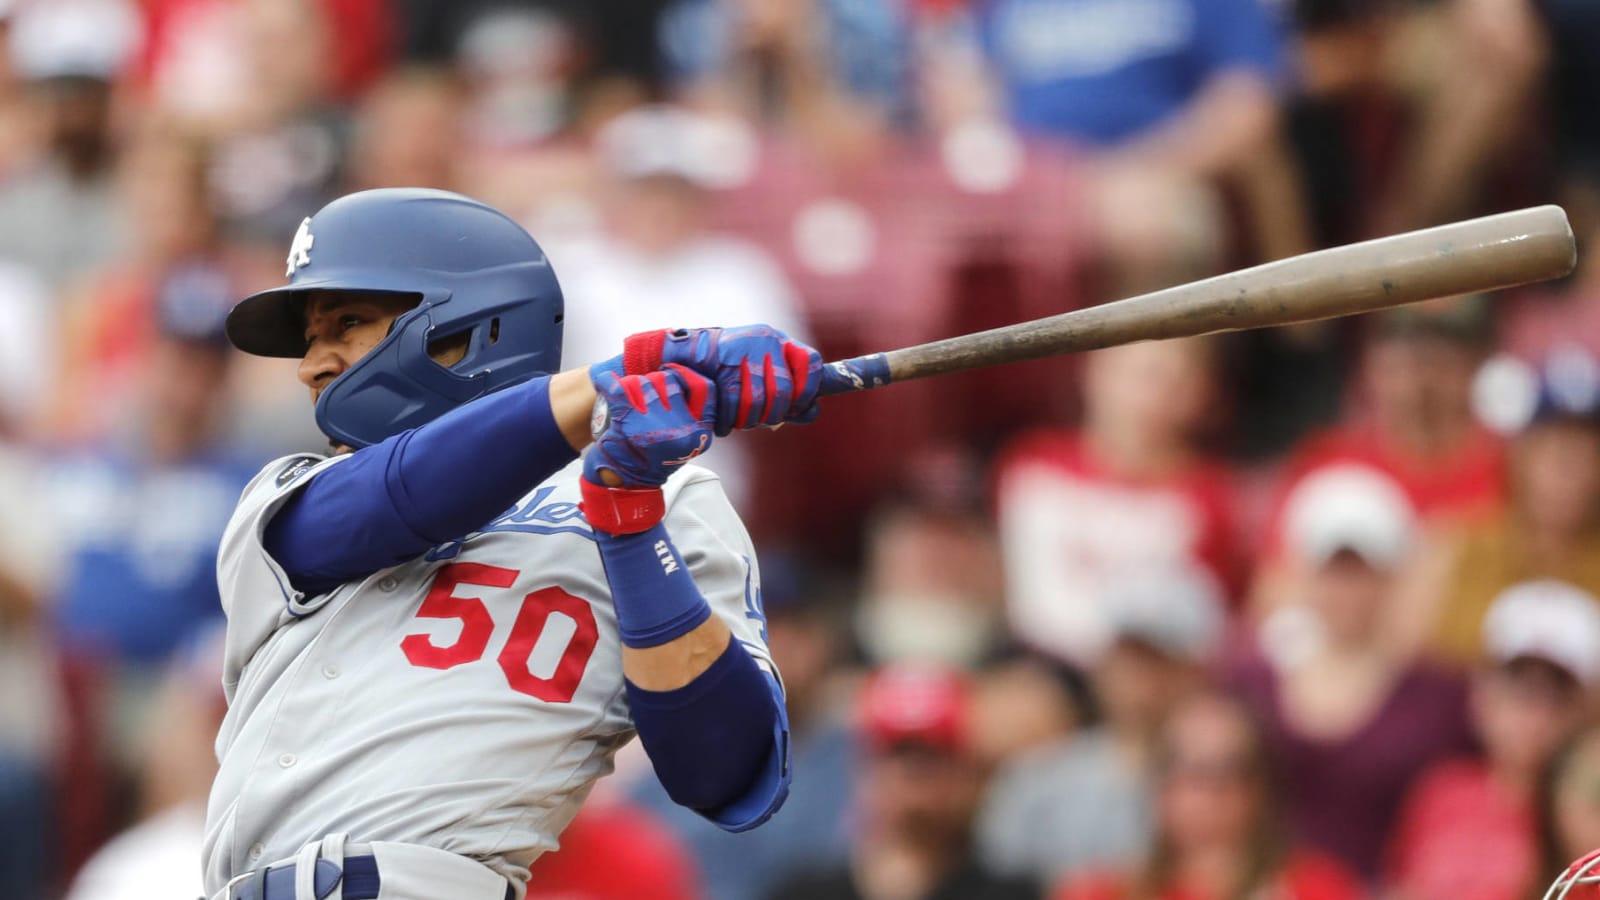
{"x": 439, "y": 635}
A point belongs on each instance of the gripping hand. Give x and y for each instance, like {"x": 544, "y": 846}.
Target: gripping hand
{"x": 646, "y": 426}
{"x": 762, "y": 377}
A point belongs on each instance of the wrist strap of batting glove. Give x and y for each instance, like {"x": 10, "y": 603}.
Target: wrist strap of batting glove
{"x": 621, "y": 510}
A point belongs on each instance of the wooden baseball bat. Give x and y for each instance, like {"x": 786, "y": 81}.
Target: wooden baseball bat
{"x": 1486, "y": 254}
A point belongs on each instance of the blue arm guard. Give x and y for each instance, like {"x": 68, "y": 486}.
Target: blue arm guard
{"x": 394, "y": 500}
{"x": 719, "y": 744}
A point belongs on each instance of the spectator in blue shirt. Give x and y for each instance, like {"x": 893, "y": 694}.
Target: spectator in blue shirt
{"x": 139, "y": 517}
{"x": 1115, "y": 73}
{"x": 1160, "y": 101}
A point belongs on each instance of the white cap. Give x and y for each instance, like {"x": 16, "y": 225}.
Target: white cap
{"x": 1549, "y": 620}
{"x": 1349, "y": 507}
{"x": 710, "y": 152}
{"x": 64, "y": 38}
{"x": 1176, "y": 609}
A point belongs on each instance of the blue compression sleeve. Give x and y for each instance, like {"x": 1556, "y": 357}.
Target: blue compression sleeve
{"x": 655, "y": 597}
{"x": 717, "y": 743}
{"x": 393, "y": 501}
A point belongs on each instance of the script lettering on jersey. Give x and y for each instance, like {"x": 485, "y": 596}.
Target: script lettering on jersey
{"x": 669, "y": 563}
{"x": 533, "y": 516}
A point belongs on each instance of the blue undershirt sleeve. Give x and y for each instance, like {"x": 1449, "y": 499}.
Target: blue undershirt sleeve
{"x": 395, "y": 500}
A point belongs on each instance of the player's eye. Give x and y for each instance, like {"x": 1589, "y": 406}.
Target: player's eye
{"x": 348, "y": 322}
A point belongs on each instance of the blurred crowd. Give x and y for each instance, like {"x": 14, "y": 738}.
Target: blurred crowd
{"x": 1310, "y": 613}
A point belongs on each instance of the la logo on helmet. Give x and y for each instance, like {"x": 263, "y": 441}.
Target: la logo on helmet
{"x": 300, "y": 248}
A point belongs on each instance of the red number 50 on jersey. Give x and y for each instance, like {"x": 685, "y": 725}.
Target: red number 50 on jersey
{"x": 532, "y": 624}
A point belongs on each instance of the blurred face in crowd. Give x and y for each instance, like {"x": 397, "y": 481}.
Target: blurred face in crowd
{"x": 657, "y": 213}
{"x": 1420, "y": 386}
{"x": 1347, "y": 593}
{"x": 1154, "y": 393}
{"x": 289, "y": 45}
{"x": 77, "y": 119}
{"x": 1576, "y": 801}
{"x": 802, "y": 644}
{"x": 1138, "y": 684}
{"x": 164, "y": 190}
{"x": 921, "y": 793}
{"x": 1213, "y": 781}
{"x": 1523, "y": 709}
{"x": 186, "y": 384}
{"x": 409, "y": 132}
{"x": 1556, "y": 475}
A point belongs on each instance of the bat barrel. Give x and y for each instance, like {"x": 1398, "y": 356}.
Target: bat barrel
{"x": 1491, "y": 253}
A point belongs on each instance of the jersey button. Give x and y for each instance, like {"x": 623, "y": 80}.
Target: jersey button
{"x": 330, "y": 672}
{"x": 286, "y": 760}
{"x": 255, "y": 852}
{"x": 388, "y": 583}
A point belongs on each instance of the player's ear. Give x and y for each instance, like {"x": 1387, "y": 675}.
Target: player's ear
{"x": 447, "y": 351}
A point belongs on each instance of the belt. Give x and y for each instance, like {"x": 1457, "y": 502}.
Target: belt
{"x": 357, "y": 879}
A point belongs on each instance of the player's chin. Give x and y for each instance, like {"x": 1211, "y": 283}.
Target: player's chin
{"x": 338, "y": 449}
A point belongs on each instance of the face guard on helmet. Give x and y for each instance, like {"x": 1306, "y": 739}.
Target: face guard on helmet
{"x": 1584, "y": 871}
{"x": 473, "y": 270}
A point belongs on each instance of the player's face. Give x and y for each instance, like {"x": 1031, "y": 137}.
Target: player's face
{"x": 341, "y": 328}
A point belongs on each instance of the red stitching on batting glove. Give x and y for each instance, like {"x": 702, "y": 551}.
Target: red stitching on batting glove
{"x": 633, "y": 388}
{"x": 741, "y": 419}
{"x": 659, "y": 379}
{"x": 798, "y": 359}
{"x": 695, "y": 387}
{"x": 770, "y": 376}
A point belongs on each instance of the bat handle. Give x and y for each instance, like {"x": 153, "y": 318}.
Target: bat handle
{"x": 858, "y": 373}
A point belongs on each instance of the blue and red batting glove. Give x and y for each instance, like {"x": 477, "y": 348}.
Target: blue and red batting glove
{"x": 762, "y": 376}
{"x": 646, "y": 427}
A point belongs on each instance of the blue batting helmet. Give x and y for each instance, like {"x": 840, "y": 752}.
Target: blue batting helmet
{"x": 473, "y": 270}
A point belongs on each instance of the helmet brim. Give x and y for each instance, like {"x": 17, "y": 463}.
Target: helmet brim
{"x": 273, "y": 322}
{"x": 270, "y": 323}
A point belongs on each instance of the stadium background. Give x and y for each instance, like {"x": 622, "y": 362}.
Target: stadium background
{"x": 1307, "y": 613}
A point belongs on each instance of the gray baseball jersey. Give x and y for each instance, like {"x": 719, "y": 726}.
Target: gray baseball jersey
{"x": 466, "y": 700}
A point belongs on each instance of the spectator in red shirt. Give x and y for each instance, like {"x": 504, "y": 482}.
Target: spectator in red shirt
{"x": 1217, "y": 833}
{"x": 1128, "y": 492}
{"x": 1543, "y": 639}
